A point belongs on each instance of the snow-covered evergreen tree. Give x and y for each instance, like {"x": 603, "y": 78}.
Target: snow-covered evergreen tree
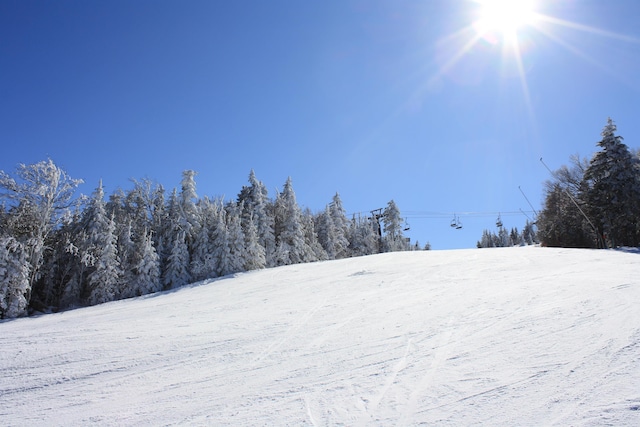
{"x": 228, "y": 242}
{"x": 220, "y": 242}
{"x": 313, "y": 249}
{"x": 176, "y": 272}
{"x": 393, "y": 239}
{"x": 105, "y": 280}
{"x": 235, "y": 241}
{"x": 146, "y": 279}
{"x": 341, "y": 228}
{"x": 255, "y": 258}
{"x": 202, "y": 257}
{"x": 256, "y": 205}
{"x": 289, "y": 233}
{"x": 129, "y": 253}
{"x": 504, "y": 238}
{"x": 159, "y": 220}
{"x": 611, "y": 190}
{"x": 327, "y": 233}
{"x": 189, "y": 210}
{"x": 364, "y": 236}
{"x": 529, "y": 234}
{"x": 14, "y": 278}
{"x": 101, "y": 275}
{"x": 72, "y": 283}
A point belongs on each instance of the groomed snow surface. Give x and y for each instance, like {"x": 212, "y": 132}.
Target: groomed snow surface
{"x": 516, "y": 337}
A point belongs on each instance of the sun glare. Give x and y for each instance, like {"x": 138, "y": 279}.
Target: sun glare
{"x": 504, "y": 18}
{"x": 515, "y": 27}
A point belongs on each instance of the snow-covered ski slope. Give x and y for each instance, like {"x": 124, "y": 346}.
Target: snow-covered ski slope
{"x": 515, "y": 337}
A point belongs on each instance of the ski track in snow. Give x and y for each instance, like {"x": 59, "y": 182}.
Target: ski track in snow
{"x": 516, "y": 336}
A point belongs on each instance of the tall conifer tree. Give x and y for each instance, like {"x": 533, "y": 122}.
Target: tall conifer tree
{"x": 611, "y": 190}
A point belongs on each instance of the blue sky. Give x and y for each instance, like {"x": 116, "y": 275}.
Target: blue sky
{"x": 375, "y": 100}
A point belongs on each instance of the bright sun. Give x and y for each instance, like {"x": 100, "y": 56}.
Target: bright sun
{"x": 504, "y": 18}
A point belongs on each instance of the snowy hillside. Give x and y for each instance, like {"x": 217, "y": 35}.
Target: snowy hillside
{"x": 517, "y": 336}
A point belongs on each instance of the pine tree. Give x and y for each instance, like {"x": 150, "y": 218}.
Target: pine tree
{"x": 255, "y": 258}
{"x": 100, "y": 275}
{"x": 220, "y": 242}
{"x": 72, "y": 283}
{"x": 159, "y": 220}
{"x": 146, "y": 279}
{"x": 312, "y": 247}
{"x": 202, "y": 263}
{"x": 189, "y": 211}
{"x": 393, "y": 239}
{"x": 176, "y": 272}
{"x": 516, "y": 237}
{"x": 327, "y": 233}
{"x": 289, "y": 233}
{"x": 256, "y": 206}
{"x": 504, "y": 239}
{"x": 129, "y": 253}
{"x": 175, "y": 269}
{"x": 235, "y": 241}
{"x": 611, "y": 190}
{"x": 364, "y": 237}
{"x": 529, "y": 233}
{"x": 341, "y": 228}
{"x": 105, "y": 279}
{"x": 14, "y": 278}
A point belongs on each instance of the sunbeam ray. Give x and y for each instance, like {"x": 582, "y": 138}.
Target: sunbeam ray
{"x": 586, "y": 28}
{"x": 458, "y": 55}
{"x": 579, "y": 53}
{"x": 524, "y": 83}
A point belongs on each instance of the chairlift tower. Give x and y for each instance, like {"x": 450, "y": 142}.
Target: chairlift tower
{"x": 376, "y": 215}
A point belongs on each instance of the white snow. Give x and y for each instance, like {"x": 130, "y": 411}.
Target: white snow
{"x": 517, "y": 336}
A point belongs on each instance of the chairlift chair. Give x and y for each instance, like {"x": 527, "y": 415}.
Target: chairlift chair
{"x": 455, "y": 223}
{"x": 499, "y": 222}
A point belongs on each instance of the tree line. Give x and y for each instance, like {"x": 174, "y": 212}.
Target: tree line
{"x": 506, "y": 238}
{"x": 594, "y": 203}
{"x": 59, "y": 251}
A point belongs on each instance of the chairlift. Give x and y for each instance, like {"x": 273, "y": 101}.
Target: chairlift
{"x": 406, "y": 226}
{"x": 499, "y": 222}
{"x": 456, "y": 223}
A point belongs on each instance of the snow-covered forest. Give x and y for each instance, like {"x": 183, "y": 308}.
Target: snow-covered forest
{"x": 59, "y": 251}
